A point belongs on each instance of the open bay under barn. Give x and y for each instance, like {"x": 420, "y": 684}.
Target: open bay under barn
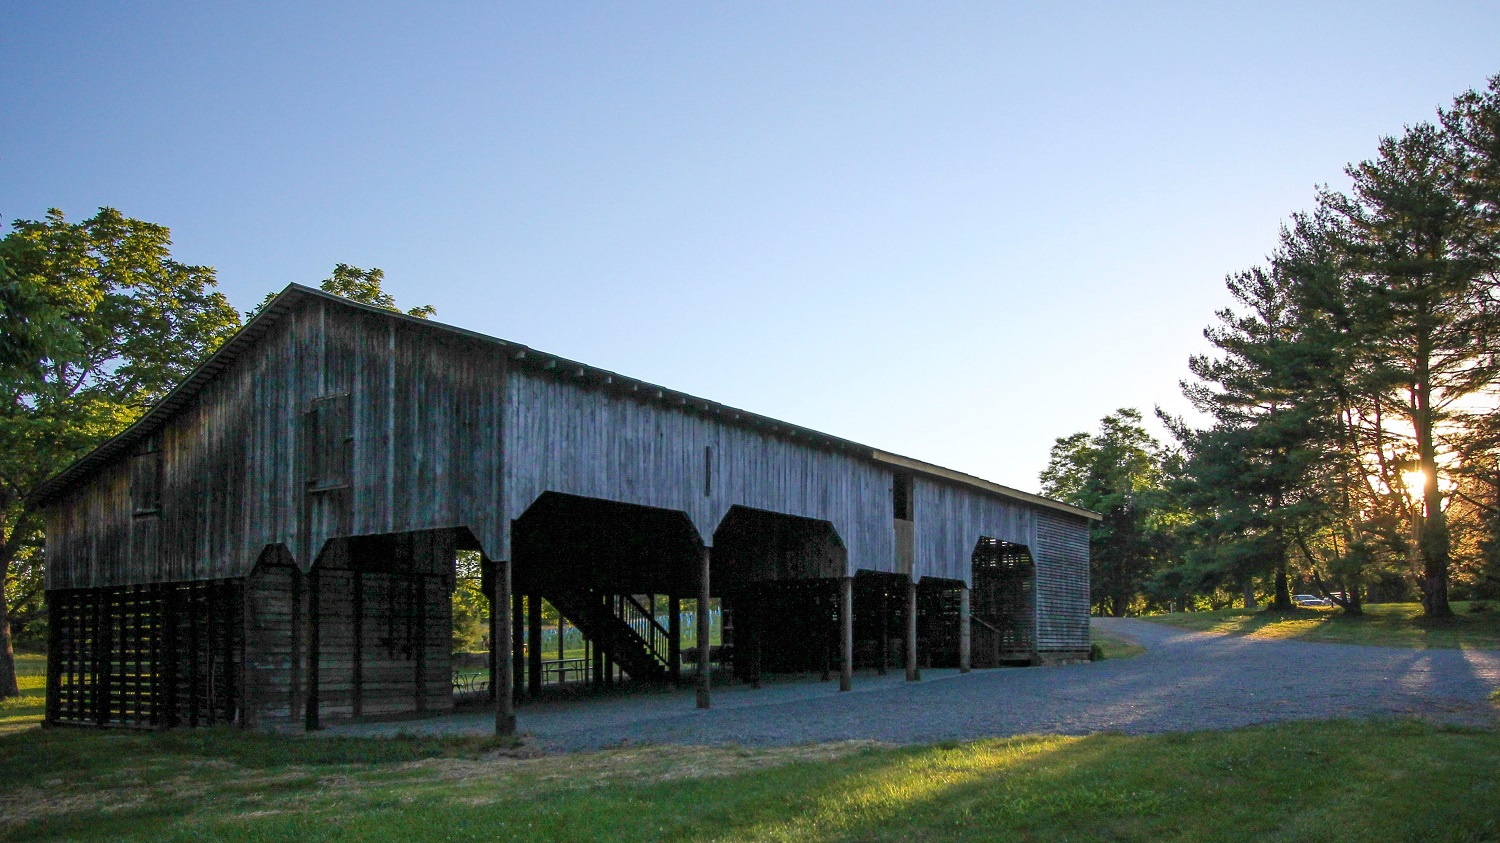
{"x": 277, "y": 543}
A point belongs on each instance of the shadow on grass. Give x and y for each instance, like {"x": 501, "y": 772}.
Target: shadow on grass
{"x": 1308, "y": 781}
{"x": 1381, "y": 624}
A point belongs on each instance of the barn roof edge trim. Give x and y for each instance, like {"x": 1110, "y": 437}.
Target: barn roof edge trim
{"x": 519, "y": 354}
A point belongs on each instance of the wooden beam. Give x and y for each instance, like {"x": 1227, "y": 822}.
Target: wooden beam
{"x": 501, "y": 641}
{"x": 674, "y": 638}
{"x": 964, "y": 639}
{"x": 533, "y": 643}
{"x": 912, "y": 673}
{"x": 846, "y": 621}
{"x": 516, "y": 650}
{"x": 703, "y": 648}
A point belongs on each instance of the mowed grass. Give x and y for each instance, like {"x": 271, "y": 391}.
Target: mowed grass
{"x": 26, "y": 710}
{"x": 1382, "y": 624}
{"x": 1115, "y": 647}
{"x": 1308, "y": 781}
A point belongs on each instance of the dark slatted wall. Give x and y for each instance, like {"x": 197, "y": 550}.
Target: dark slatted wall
{"x": 1003, "y": 604}
{"x": 166, "y": 654}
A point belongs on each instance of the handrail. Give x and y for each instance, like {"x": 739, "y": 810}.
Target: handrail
{"x": 648, "y": 615}
{"x": 644, "y": 624}
{"x": 984, "y": 623}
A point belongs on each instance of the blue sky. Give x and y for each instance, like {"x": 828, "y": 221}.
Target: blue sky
{"x": 954, "y": 231}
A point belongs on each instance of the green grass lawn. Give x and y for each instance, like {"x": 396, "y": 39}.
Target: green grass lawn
{"x": 1297, "y": 782}
{"x": 26, "y": 710}
{"x": 1115, "y": 647}
{"x": 1384, "y": 624}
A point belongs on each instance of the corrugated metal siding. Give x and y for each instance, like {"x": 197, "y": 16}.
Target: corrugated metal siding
{"x": 950, "y": 521}
{"x": 586, "y": 441}
{"x": 1061, "y": 554}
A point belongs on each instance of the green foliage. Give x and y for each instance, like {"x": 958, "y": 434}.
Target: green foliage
{"x": 1117, "y": 472}
{"x": 471, "y": 609}
{"x": 100, "y": 321}
{"x": 1364, "y": 350}
{"x": 361, "y": 285}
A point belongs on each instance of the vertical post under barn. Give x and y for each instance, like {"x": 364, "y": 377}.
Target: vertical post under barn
{"x": 885, "y": 631}
{"x": 846, "y": 621}
{"x": 314, "y": 644}
{"x": 497, "y": 617}
{"x": 533, "y": 643}
{"x": 674, "y": 637}
{"x": 912, "y": 673}
{"x": 963, "y": 630}
{"x": 516, "y": 650}
{"x": 358, "y": 668}
{"x": 703, "y": 648}
{"x": 503, "y": 644}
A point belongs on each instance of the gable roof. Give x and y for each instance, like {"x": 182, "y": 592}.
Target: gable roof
{"x": 246, "y": 337}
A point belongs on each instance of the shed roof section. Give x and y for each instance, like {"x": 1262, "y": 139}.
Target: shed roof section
{"x": 519, "y": 355}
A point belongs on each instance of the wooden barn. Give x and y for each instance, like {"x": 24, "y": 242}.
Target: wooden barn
{"x": 274, "y": 544}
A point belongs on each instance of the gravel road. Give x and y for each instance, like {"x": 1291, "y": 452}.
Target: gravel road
{"x": 1185, "y": 681}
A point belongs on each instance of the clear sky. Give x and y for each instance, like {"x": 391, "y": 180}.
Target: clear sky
{"x": 952, "y": 231}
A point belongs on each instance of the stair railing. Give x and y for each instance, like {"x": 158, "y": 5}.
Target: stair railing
{"x": 643, "y": 621}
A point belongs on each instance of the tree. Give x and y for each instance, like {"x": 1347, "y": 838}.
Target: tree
{"x": 1253, "y": 471}
{"x": 361, "y": 285}
{"x": 1116, "y": 472}
{"x": 112, "y": 323}
{"x": 1418, "y": 249}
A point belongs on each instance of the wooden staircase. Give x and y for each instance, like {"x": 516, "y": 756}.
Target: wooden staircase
{"x": 621, "y": 627}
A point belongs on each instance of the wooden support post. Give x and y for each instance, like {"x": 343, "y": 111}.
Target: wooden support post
{"x": 314, "y": 615}
{"x": 826, "y": 630}
{"x": 420, "y": 653}
{"x": 674, "y": 637}
{"x": 503, "y": 642}
{"x": 703, "y": 648}
{"x": 964, "y": 639}
{"x": 496, "y": 618}
{"x": 912, "y": 672}
{"x": 358, "y": 677}
{"x": 517, "y": 649}
{"x": 297, "y": 643}
{"x": 533, "y": 643}
{"x": 846, "y": 621}
{"x": 885, "y": 631}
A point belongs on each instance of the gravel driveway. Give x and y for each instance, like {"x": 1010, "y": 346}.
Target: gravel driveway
{"x": 1185, "y": 681}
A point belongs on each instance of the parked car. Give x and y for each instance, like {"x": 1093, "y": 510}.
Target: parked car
{"x": 1309, "y": 601}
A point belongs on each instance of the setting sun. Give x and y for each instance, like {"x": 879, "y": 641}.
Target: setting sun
{"x": 1414, "y": 481}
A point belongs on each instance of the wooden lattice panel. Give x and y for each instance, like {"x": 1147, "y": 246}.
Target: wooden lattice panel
{"x": 146, "y": 656}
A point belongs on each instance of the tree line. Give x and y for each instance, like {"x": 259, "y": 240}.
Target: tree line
{"x": 1351, "y": 443}
{"x": 97, "y": 323}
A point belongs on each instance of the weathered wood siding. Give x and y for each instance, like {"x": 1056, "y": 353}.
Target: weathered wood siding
{"x": 384, "y": 629}
{"x": 951, "y": 520}
{"x": 273, "y": 649}
{"x": 237, "y": 462}
{"x": 589, "y": 441}
{"x": 337, "y": 421}
{"x": 1061, "y": 553}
